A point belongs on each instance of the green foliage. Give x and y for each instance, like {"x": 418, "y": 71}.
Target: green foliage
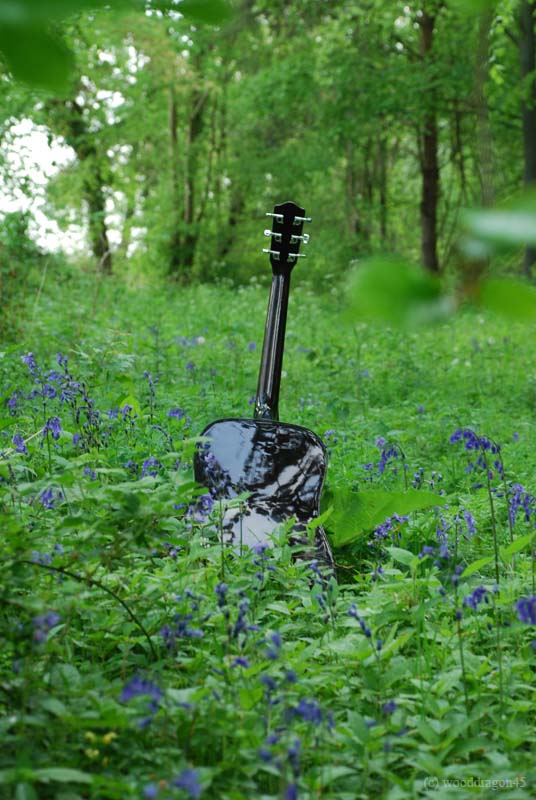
{"x": 375, "y": 675}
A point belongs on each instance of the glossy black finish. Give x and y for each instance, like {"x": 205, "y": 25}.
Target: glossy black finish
{"x": 267, "y": 401}
{"x": 282, "y": 466}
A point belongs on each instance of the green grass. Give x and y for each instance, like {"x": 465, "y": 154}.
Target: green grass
{"x": 301, "y": 715}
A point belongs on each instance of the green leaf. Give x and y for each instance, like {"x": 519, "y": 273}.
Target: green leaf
{"x": 384, "y": 289}
{"x": 211, "y": 12}
{"x": 513, "y": 224}
{"x": 354, "y": 513}
{"x": 36, "y": 57}
{"x": 401, "y": 556}
{"x": 512, "y": 299}
{"x": 63, "y": 775}
{"x": 517, "y": 545}
{"x": 31, "y": 12}
{"x": 476, "y": 566}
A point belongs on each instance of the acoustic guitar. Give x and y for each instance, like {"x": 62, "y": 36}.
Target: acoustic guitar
{"x": 282, "y": 466}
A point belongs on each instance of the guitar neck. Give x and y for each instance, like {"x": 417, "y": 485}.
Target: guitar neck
{"x": 267, "y": 400}
{"x": 286, "y": 236}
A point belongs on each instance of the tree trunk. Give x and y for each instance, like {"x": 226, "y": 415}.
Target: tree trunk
{"x": 527, "y": 52}
{"x": 429, "y": 159}
{"x": 382, "y": 183}
{"x": 98, "y": 232}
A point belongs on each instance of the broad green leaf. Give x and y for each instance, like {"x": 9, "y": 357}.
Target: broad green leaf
{"x": 355, "y": 513}
{"x": 401, "y": 556}
{"x": 211, "y": 12}
{"x": 513, "y": 224}
{"x": 517, "y": 545}
{"x": 63, "y": 775}
{"x": 476, "y": 566}
{"x": 512, "y": 299}
{"x": 250, "y": 697}
{"x": 30, "y": 12}
{"x": 384, "y": 289}
{"x": 36, "y": 57}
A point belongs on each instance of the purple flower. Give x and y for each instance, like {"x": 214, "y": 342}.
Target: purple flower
{"x": 526, "y": 610}
{"x": 29, "y": 360}
{"x": 176, "y": 413}
{"x": 291, "y": 792}
{"x": 43, "y": 624}
{"x": 189, "y": 781}
{"x": 150, "y": 467}
{"x": 47, "y": 498}
{"x": 476, "y": 597}
{"x": 240, "y": 661}
{"x": 90, "y": 473}
{"x": 53, "y": 424}
{"x": 20, "y": 446}
{"x": 142, "y": 687}
{"x": 309, "y": 711}
{"x": 389, "y": 707}
{"x": 190, "y": 366}
{"x": 252, "y": 346}
{"x": 150, "y": 791}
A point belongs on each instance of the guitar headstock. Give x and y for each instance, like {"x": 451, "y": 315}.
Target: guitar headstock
{"x": 286, "y": 236}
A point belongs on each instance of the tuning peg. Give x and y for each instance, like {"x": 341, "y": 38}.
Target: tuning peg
{"x": 299, "y": 220}
{"x": 278, "y": 217}
{"x": 275, "y": 253}
{"x": 277, "y": 236}
{"x": 295, "y": 238}
{"x": 297, "y": 255}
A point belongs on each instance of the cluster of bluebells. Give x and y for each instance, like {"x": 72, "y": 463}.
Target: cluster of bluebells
{"x": 353, "y": 612}
{"x": 43, "y": 624}
{"x": 485, "y": 448}
{"x": 433, "y": 482}
{"x": 390, "y": 528}
{"x": 150, "y": 467}
{"x": 324, "y": 589}
{"x": 526, "y": 610}
{"x": 182, "y": 627}
{"x": 261, "y": 558}
{"x": 49, "y": 497}
{"x": 45, "y": 559}
{"x": 273, "y": 752}
{"x": 389, "y": 452}
{"x": 477, "y": 596}
{"x": 143, "y": 687}
{"x": 188, "y": 780}
{"x": 520, "y": 500}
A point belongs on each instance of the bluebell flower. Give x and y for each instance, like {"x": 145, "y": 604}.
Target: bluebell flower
{"x": 47, "y": 498}
{"x": 309, "y": 711}
{"x": 240, "y": 661}
{"x": 526, "y": 610}
{"x": 150, "y": 791}
{"x": 189, "y": 781}
{"x": 176, "y": 413}
{"x": 150, "y": 467}
{"x": 20, "y": 445}
{"x": 90, "y": 473}
{"x": 269, "y": 682}
{"x": 389, "y": 707}
{"x": 190, "y": 366}
{"x": 252, "y": 346}
{"x": 29, "y": 360}
{"x": 43, "y": 624}
{"x": 476, "y": 597}
{"x": 53, "y": 424}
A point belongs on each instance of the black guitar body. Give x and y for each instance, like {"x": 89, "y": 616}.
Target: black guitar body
{"x": 282, "y": 467}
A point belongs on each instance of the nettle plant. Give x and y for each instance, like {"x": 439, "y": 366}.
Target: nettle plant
{"x": 142, "y": 658}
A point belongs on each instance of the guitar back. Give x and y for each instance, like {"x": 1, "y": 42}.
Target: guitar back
{"x": 282, "y": 467}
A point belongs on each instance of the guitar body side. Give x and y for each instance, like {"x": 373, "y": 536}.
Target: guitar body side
{"x": 282, "y": 466}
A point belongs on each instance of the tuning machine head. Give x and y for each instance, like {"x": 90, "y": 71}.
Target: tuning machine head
{"x": 286, "y": 236}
